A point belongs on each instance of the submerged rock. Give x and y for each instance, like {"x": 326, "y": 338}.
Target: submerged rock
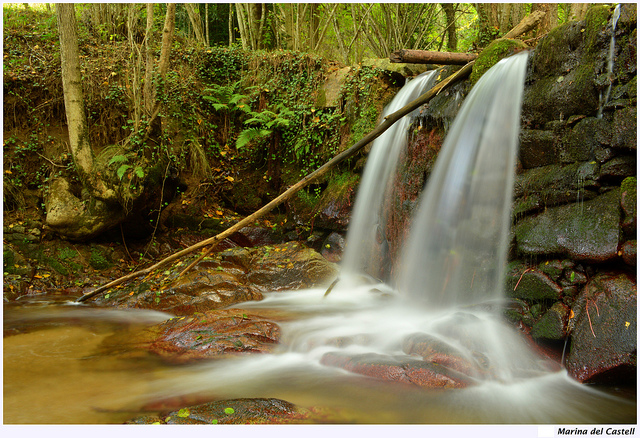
{"x": 201, "y": 336}
{"x": 235, "y": 411}
{"x": 402, "y": 369}
{"x": 604, "y": 338}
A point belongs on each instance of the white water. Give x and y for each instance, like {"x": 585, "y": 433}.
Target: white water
{"x": 366, "y": 228}
{"x": 612, "y": 48}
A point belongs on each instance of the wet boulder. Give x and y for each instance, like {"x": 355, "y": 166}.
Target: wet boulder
{"x": 587, "y": 231}
{"x": 555, "y": 184}
{"x": 401, "y": 369}
{"x": 435, "y": 350}
{"x": 333, "y": 247}
{"x": 628, "y": 202}
{"x": 530, "y": 283}
{"x": 289, "y": 266}
{"x": 604, "y": 331}
{"x": 553, "y": 324}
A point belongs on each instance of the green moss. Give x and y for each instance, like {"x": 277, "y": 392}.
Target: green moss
{"x": 98, "y": 260}
{"x": 56, "y": 265}
{"x": 595, "y": 21}
{"x": 498, "y": 49}
{"x": 630, "y": 187}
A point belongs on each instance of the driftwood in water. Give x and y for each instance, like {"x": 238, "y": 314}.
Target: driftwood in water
{"x": 213, "y": 241}
{"x": 429, "y": 57}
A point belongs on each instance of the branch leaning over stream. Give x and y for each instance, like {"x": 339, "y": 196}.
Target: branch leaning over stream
{"x": 213, "y": 241}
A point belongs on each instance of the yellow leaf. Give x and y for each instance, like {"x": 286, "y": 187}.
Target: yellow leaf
{"x": 219, "y": 213}
{"x": 8, "y": 172}
{"x": 37, "y": 276}
{"x": 229, "y": 178}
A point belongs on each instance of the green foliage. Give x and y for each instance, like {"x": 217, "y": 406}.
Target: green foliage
{"x": 123, "y": 167}
{"x": 222, "y": 65}
{"x": 261, "y": 125}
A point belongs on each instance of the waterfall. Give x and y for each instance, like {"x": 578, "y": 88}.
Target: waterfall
{"x": 453, "y": 260}
{"x": 612, "y": 49}
{"x": 458, "y": 243}
{"x": 365, "y": 238}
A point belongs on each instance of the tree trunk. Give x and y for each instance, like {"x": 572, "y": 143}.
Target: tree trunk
{"x": 196, "y": 22}
{"x": 149, "y": 92}
{"x": 549, "y": 19}
{"x": 155, "y": 126}
{"x": 429, "y": 57}
{"x": 81, "y": 150}
{"x": 529, "y": 22}
{"x": 452, "y": 37}
{"x": 495, "y": 19}
{"x": 578, "y": 11}
{"x": 67, "y": 213}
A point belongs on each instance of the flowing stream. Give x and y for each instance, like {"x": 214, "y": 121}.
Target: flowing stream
{"x": 449, "y": 287}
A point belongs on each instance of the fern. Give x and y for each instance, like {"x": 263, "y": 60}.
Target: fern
{"x": 118, "y": 159}
{"x": 122, "y": 170}
{"x": 250, "y": 134}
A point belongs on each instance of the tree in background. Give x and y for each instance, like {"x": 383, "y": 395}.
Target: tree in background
{"x": 104, "y": 198}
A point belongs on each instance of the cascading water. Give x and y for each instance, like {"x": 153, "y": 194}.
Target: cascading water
{"x": 366, "y": 230}
{"x": 458, "y": 244}
{"x": 612, "y": 49}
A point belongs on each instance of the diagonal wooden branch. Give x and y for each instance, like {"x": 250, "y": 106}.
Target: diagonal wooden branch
{"x": 386, "y": 124}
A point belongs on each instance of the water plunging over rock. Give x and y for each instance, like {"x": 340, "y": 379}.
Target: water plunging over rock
{"x": 366, "y": 240}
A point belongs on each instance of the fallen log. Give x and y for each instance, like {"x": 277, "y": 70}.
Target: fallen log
{"x": 213, "y": 241}
{"x": 447, "y": 58}
{"x": 430, "y": 57}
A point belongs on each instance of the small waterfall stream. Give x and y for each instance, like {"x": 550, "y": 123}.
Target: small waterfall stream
{"x": 366, "y": 229}
{"x": 612, "y": 51}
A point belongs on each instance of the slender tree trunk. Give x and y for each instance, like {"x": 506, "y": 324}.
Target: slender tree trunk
{"x": 79, "y": 143}
{"x": 230, "y": 24}
{"x": 452, "y": 36}
{"x": 196, "y": 22}
{"x": 149, "y": 96}
{"x": 206, "y": 22}
{"x": 155, "y": 125}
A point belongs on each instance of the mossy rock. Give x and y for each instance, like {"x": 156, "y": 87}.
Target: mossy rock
{"x": 596, "y": 21}
{"x": 498, "y": 49}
